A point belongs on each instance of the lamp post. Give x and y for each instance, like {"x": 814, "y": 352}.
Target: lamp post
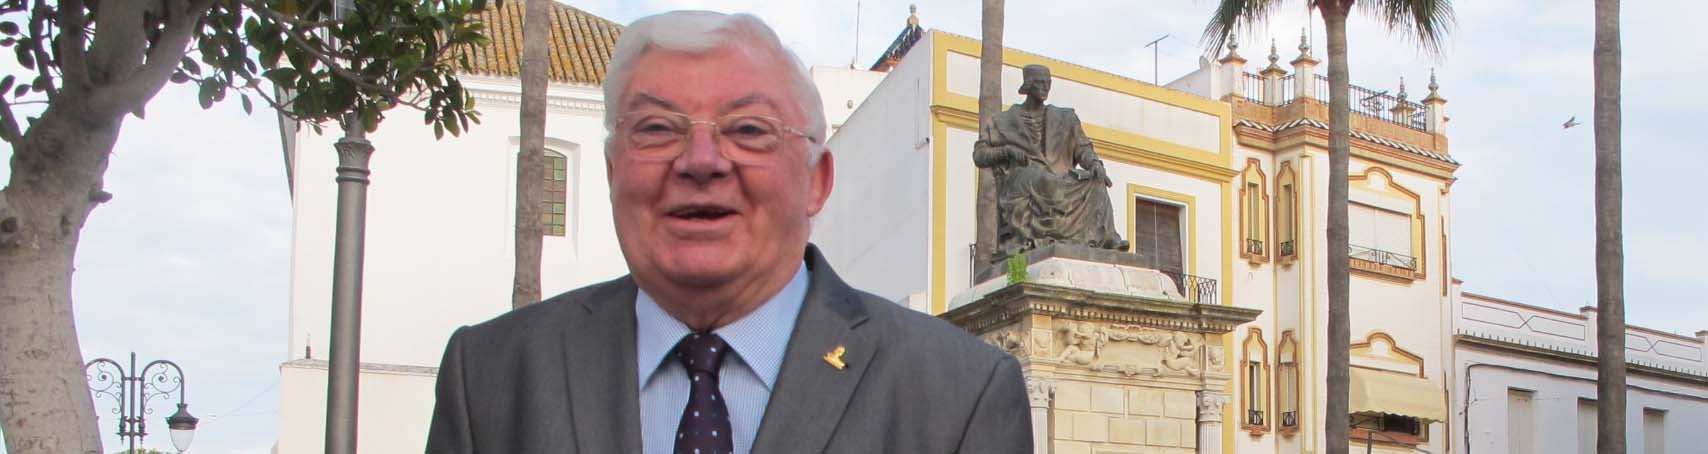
{"x": 133, "y": 390}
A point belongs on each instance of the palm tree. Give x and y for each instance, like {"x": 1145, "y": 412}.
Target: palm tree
{"x": 1426, "y": 21}
{"x": 1609, "y": 238}
{"x": 531, "y": 159}
{"x": 990, "y": 104}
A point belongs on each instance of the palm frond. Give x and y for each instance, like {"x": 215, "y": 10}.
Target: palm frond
{"x": 1425, "y": 23}
{"x": 1235, "y": 16}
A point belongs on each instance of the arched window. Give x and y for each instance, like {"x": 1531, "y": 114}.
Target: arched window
{"x": 1286, "y": 214}
{"x": 1287, "y": 383}
{"x": 1254, "y": 209}
{"x": 1254, "y": 383}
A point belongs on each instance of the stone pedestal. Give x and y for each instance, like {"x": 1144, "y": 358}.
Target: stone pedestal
{"x": 1115, "y": 359}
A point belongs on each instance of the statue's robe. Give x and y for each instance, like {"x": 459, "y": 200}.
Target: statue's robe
{"x": 1049, "y": 195}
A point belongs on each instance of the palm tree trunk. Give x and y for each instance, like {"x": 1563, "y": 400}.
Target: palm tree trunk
{"x": 530, "y": 160}
{"x": 990, "y": 103}
{"x": 1335, "y": 417}
{"x": 1609, "y": 238}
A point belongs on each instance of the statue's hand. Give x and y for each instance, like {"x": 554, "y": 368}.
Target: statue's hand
{"x": 1102, "y": 175}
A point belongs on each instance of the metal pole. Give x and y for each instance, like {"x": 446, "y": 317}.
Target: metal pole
{"x": 344, "y": 362}
{"x": 1156, "y": 60}
{"x": 134, "y": 385}
{"x": 341, "y": 386}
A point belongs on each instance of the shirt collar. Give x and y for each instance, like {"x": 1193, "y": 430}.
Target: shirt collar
{"x": 760, "y": 338}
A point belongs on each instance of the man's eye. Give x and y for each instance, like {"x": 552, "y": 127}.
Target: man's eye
{"x": 747, "y": 127}
{"x": 654, "y": 126}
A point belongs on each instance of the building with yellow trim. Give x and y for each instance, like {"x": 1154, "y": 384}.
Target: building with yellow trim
{"x": 1221, "y": 176}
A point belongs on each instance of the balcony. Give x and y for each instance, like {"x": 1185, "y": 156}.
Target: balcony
{"x": 1366, "y": 102}
{"x": 1287, "y": 249}
{"x": 1196, "y": 289}
{"x": 1384, "y": 263}
{"x": 1254, "y": 246}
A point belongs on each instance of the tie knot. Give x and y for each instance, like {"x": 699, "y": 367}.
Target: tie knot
{"x": 701, "y": 352}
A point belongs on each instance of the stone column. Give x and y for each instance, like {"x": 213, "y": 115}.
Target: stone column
{"x": 1040, "y": 390}
{"x": 1233, "y": 69}
{"x": 1435, "y": 107}
{"x": 1210, "y": 421}
{"x": 1305, "y": 74}
{"x": 1272, "y": 86}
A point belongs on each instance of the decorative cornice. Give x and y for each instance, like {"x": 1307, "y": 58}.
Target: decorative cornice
{"x": 514, "y": 99}
{"x": 319, "y": 364}
{"x": 1577, "y": 357}
{"x": 1311, "y": 122}
{"x": 1017, "y": 301}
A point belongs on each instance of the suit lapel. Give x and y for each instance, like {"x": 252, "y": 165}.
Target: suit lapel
{"x": 811, "y": 394}
{"x": 599, "y": 354}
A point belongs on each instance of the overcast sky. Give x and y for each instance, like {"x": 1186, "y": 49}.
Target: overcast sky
{"x": 190, "y": 260}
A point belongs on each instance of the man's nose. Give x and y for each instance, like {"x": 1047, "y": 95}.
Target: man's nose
{"x": 703, "y": 161}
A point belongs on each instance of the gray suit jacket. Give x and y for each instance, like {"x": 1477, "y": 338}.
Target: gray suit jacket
{"x": 559, "y": 377}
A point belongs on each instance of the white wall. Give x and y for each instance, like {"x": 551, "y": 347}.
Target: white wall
{"x": 440, "y": 222}
{"x": 396, "y": 407}
{"x": 875, "y": 227}
{"x": 843, "y": 90}
{"x": 1558, "y": 387}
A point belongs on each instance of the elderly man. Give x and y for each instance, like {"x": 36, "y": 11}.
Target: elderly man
{"x": 732, "y": 334}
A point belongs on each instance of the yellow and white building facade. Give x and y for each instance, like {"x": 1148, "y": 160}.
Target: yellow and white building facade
{"x": 1221, "y": 178}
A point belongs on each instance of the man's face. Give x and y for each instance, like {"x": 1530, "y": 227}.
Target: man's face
{"x": 1038, "y": 85}
{"x": 701, "y": 221}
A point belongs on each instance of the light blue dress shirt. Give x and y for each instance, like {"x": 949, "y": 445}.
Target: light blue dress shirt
{"x": 758, "y": 342}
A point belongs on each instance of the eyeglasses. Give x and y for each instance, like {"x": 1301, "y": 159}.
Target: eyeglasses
{"x": 658, "y": 136}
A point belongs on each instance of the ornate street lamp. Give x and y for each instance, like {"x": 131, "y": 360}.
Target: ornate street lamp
{"x": 133, "y": 390}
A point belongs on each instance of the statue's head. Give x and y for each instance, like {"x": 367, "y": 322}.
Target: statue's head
{"x": 1036, "y": 81}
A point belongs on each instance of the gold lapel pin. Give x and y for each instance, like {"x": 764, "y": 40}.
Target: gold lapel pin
{"x": 834, "y": 358}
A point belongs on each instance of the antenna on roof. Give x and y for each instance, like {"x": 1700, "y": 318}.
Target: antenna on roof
{"x": 1156, "y": 59}
{"x": 852, "y": 61}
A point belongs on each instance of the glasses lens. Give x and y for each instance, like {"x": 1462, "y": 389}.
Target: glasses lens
{"x": 655, "y": 135}
{"x": 753, "y": 135}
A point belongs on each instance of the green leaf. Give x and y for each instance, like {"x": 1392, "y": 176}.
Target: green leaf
{"x": 179, "y": 77}
{"x": 206, "y": 95}
{"x": 370, "y": 118}
{"x": 6, "y": 84}
{"x": 248, "y": 108}
{"x": 25, "y": 88}
{"x": 190, "y": 65}
{"x": 10, "y": 28}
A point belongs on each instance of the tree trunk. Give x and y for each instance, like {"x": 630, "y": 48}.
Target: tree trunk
{"x": 1609, "y": 237}
{"x": 45, "y": 406}
{"x": 530, "y": 160}
{"x": 990, "y": 103}
{"x": 1335, "y": 417}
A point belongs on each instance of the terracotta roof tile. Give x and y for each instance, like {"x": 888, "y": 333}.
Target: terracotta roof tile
{"x": 581, "y": 44}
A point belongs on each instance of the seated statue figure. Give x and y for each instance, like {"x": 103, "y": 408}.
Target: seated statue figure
{"x": 1051, "y": 187}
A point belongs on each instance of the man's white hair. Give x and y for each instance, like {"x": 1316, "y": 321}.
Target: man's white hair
{"x": 699, "y": 32}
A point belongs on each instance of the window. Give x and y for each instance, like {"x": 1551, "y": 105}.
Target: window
{"x": 1286, "y": 214}
{"x": 1586, "y": 426}
{"x": 1654, "y": 431}
{"x": 1380, "y": 236}
{"x": 1520, "y": 422}
{"x": 1254, "y": 206}
{"x": 1156, "y": 236}
{"x": 1287, "y": 383}
{"x": 554, "y": 213}
{"x": 1254, "y": 383}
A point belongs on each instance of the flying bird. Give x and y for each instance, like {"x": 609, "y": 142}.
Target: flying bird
{"x": 1570, "y": 122}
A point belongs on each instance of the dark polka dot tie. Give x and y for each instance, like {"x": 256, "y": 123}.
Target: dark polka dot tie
{"x": 705, "y": 422}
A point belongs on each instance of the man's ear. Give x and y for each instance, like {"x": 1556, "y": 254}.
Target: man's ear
{"x": 823, "y": 179}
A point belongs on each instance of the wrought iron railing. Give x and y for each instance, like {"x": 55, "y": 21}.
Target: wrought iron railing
{"x": 1254, "y": 417}
{"x": 1253, "y": 88}
{"x": 1201, "y": 290}
{"x": 1253, "y": 246}
{"x": 1379, "y": 256}
{"x": 1286, "y": 248}
{"x": 1289, "y": 418}
{"x": 1381, "y": 105}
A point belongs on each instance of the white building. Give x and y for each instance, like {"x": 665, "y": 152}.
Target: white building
{"x": 1526, "y": 382}
{"x": 439, "y": 231}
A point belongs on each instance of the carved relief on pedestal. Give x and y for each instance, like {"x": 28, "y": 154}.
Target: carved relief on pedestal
{"x": 1214, "y": 355}
{"x": 1130, "y": 350}
{"x": 1040, "y": 390}
{"x": 1210, "y": 405}
{"x": 1010, "y": 340}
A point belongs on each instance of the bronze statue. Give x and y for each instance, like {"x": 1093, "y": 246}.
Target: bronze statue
{"x": 1050, "y": 185}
